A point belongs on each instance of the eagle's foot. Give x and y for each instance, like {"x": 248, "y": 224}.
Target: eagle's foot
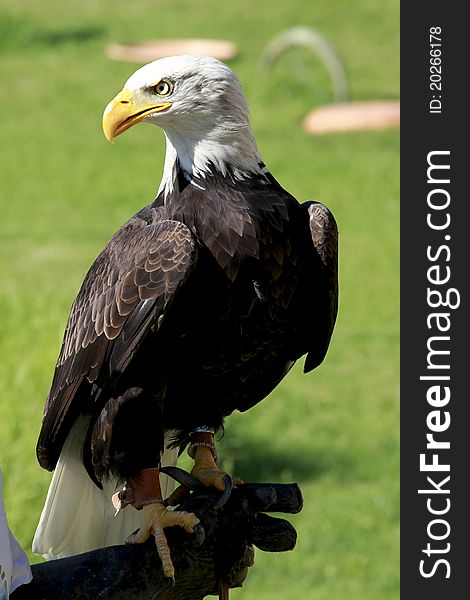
{"x": 155, "y": 517}
{"x": 206, "y": 469}
{"x": 143, "y": 492}
{"x": 210, "y": 477}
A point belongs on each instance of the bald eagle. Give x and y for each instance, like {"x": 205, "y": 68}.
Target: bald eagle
{"x": 198, "y": 306}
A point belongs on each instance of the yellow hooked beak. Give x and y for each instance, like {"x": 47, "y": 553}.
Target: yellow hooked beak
{"x": 123, "y": 112}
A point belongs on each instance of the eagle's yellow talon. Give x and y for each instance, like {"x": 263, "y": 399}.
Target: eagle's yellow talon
{"x": 155, "y": 517}
{"x": 210, "y": 478}
{"x": 206, "y": 469}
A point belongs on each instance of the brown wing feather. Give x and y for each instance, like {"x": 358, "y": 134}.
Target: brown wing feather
{"x": 128, "y": 288}
{"x": 324, "y": 235}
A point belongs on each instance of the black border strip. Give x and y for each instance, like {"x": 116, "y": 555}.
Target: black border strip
{"x": 423, "y": 245}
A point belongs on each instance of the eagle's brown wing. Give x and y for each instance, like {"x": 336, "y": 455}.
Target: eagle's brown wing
{"x": 324, "y": 308}
{"x": 125, "y": 295}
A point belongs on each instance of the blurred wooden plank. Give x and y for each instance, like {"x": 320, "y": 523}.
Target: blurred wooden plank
{"x": 353, "y": 116}
{"x": 145, "y": 52}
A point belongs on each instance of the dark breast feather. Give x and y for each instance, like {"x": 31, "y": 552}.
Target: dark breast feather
{"x": 127, "y": 290}
{"x": 292, "y": 250}
{"x": 221, "y": 218}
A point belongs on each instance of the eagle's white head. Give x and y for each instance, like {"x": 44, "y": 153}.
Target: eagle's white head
{"x": 198, "y": 102}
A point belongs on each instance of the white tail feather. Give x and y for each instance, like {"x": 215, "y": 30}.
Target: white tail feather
{"x": 77, "y": 516}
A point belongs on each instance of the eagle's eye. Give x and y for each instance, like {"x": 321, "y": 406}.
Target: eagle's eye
{"x": 163, "y": 87}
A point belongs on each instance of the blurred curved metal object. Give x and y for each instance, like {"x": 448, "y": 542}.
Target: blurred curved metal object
{"x": 311, "y": 39}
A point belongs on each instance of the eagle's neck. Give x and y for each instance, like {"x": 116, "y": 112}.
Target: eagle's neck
{"x": 230, "y": 150}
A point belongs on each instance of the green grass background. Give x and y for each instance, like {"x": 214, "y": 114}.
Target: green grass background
{"x": 64, "y": 190}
